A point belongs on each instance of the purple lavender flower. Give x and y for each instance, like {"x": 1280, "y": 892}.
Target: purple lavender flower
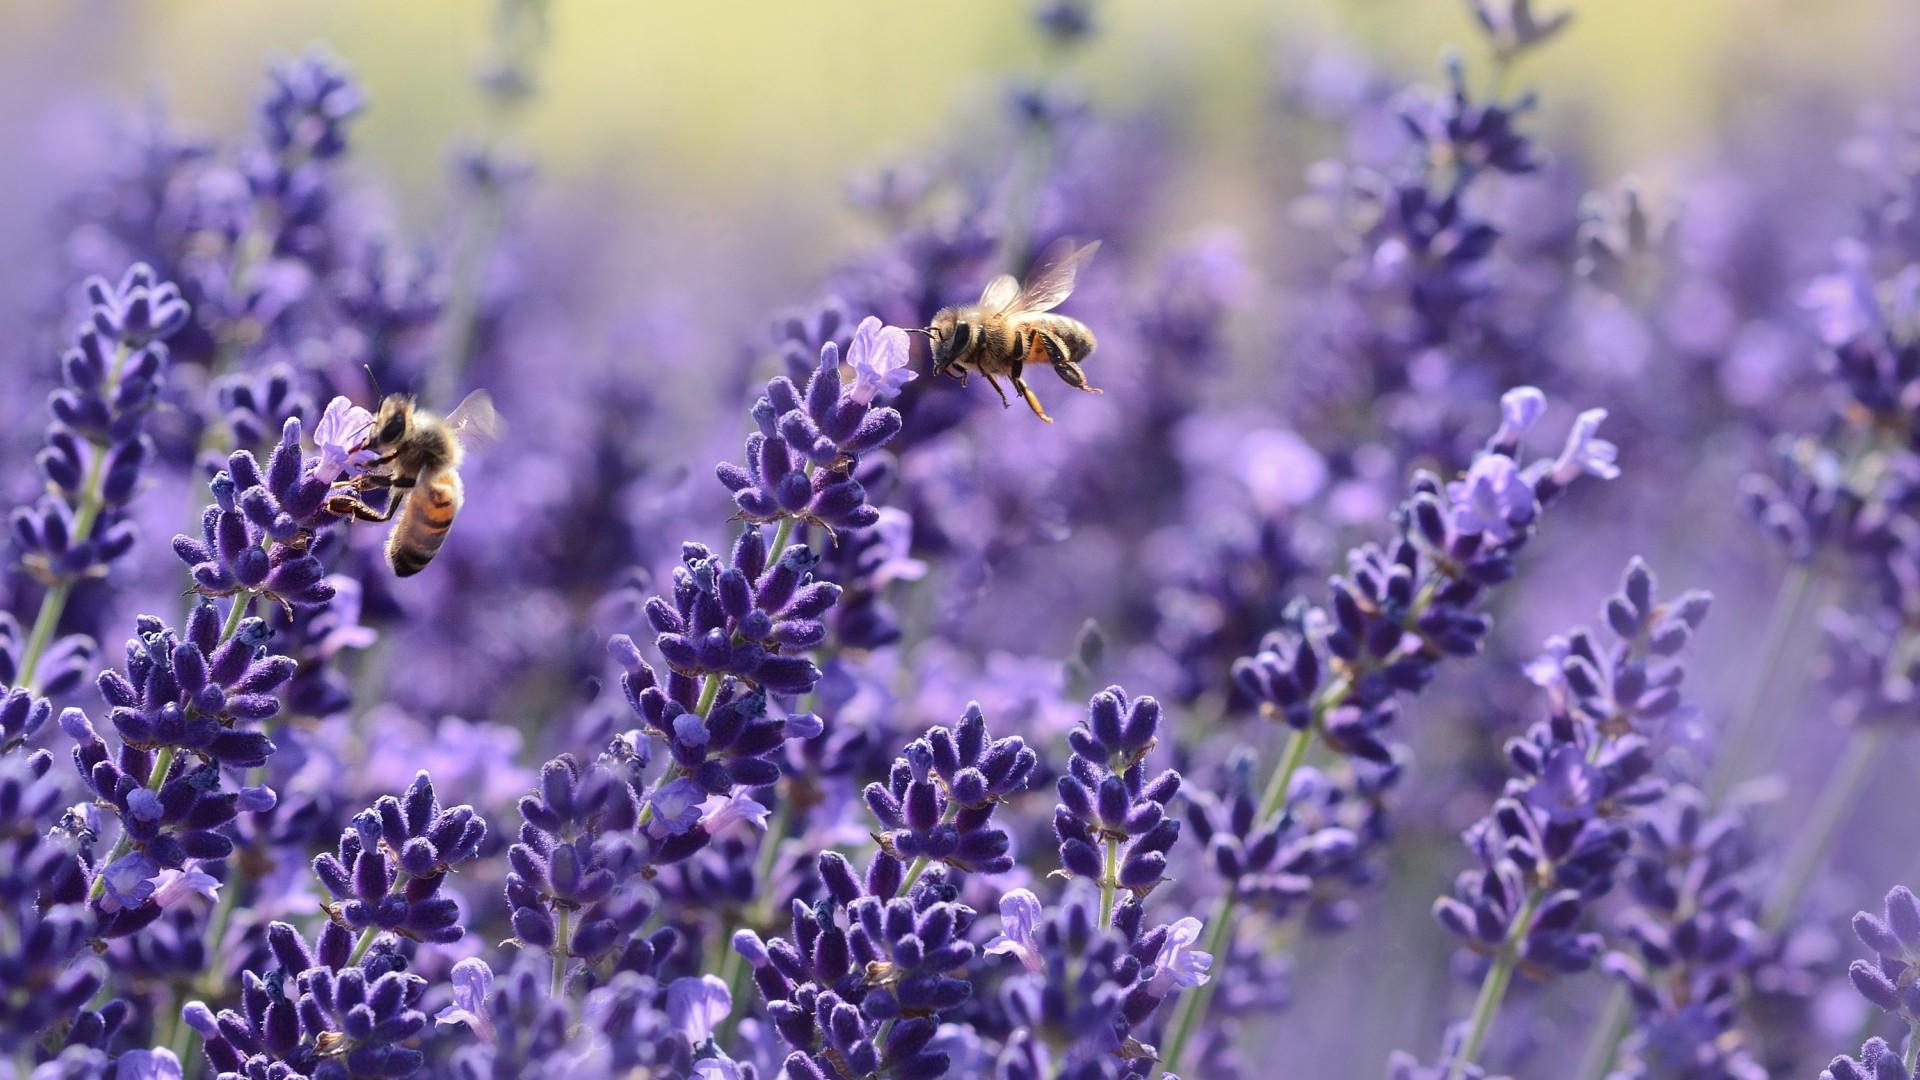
{"x": 257, "y": 536}
{"x": 800, "y": 463}
{"x": 940, "y": 796}
{"x": 472, "y": 989}
{"x": 569, "y": 888}
{"x": 324, "y": 1012}
{"x": 836, "y": 990}
{"x": 307, "y": 105}
{"x": 1108, "y": 802}
{"x": 744, "y": 618}
{"x": 341, "y": 439}
{"x": 255, "y": 406}
{"x": 1895, "y": 938}
{"x": 96, "y": 449}
{"x": 1020, "y": 914}
{"x": 1692, "y": 934}
{"x": 203, "y": 691}
{"x": 389, "y": 866}
{"x": 1877, "y": 1061}
{"x": 1554, "y": 840}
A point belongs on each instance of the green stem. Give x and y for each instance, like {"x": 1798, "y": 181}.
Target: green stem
{"x": 1912, "y": 1057}
{"x": 1737, "y": 742}
{"x": 162, "y": 764}
{"x": 1109, "y": 882}
{"x": 52, "y": 606}
{"x": 781, "y": 537}
{"x": 234, "y": 614}
{"x": 1597, "y": 1062}
{"x": 709, "y": 692}
{"x": 562, "y": 944}
{"x": 1219, "y": 939}
{"x": 1493, "y": 989}
{"x": 1829, "y": 812}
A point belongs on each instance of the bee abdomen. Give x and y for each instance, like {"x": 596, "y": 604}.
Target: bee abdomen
{"x": 423, "y": 525}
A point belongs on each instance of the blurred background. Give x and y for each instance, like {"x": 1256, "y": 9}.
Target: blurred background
{"x": 659, "y": 183}
{"x": 708, "y": 110}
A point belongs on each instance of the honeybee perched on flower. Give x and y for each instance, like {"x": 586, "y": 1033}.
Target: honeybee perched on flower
{"x": 416, "y": 455}
{"x": 1012, "y": 326}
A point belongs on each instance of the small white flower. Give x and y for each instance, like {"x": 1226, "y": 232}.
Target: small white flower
{"x": 878, "y": 355}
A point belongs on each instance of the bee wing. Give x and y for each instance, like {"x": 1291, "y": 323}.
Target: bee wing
{"x": 1053, "y": 274}
{"x": 474, "y": 422}
{"x": 1000, "y": 293}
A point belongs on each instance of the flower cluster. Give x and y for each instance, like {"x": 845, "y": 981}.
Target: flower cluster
{"x": 938, "y": 802}
{"x": 96, "y": 448}
{"x": 1692, "y": 935}
{"x": 860, "y": 984}
{"x": 745, "y": 617}
{"x": 1557, "y": 836}
{"x": 1087, "y": 987}
{"x": 1111, "y": 821}
{"x": 257, "y": 537}
{"x": 204, "y": 692}
{"x": 389, "y": 866}
{"x": 325, "y": 1012}
{"x": 800, "y": 463}
{"x": 570, "y": 887}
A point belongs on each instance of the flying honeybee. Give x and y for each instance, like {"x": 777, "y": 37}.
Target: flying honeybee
{"x": 1011, "y": 328}
{"x": 418, "y": 462}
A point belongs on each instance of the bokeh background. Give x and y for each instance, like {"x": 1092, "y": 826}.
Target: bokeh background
{"x": 691, "y": 171}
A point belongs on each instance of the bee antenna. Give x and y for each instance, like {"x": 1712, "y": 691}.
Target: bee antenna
{"x": 927, "y": 333}
{"x": 374, "y": 379}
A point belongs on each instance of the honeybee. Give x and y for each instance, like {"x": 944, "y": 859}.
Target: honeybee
{"x": 1010, "y": 328}
{"x": 418, "y": 461}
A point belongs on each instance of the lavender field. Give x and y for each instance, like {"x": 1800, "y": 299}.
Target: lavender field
{"x": 1046, "y": 541}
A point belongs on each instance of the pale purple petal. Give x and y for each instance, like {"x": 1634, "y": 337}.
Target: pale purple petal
{"x": 696, "y": 1006}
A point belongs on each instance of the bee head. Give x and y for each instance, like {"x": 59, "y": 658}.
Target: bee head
{"x": 947, "y": 335}
{"x": 394, "y": 420}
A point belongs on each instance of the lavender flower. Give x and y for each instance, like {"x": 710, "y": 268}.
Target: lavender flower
{"x": 1107, "y": 799}
{"x": 571, "y": 888}
{"x": 744, "y": 619}
{"x": 256, "y": 537}
{"x": 389, "y": 866}
{"x": 800, "y": 462}
{"x": 201, "y": 692}
{"x": 96, "y": 449}
{"x": 1554, "y": 840}
{"x": 1877, "y": 1061}
{"x": 1895, "y": 937}
{"x": 939, "y": 799}
{"x": 837, "y": 989}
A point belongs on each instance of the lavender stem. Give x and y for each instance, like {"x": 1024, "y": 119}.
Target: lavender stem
{"x": 1493, "y": 989}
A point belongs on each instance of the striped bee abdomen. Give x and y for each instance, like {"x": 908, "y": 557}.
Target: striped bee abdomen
{"x": 424, "y": 521}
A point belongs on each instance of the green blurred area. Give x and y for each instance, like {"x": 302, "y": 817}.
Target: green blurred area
{"x": 728, "y": 101}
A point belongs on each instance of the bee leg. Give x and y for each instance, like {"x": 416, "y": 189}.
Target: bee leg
{"x": 1033, "y": 402}
{"x": 998, "y": 389}
{"x": 1069, "y": 372}
{"x": 350, "y": 505}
